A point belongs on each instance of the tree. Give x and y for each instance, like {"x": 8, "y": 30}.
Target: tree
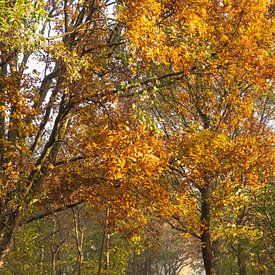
{"x": 219, "y": 128}
{"x": 69, "y": 113}
{"x": 169, "y": 254}
{"x": 247, "y": 238}
{"x": 68, "y": 241}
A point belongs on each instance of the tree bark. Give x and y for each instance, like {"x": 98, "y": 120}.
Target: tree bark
{"x": 7, "y": 228}
{"x": 207, "y": 253}
{"x": 79, "y": 239}
{"x": 8, "y": 213}
{"x": 3, "y": 72}
{"x": 104, "y": 246}
{"x": 241, "y": 262}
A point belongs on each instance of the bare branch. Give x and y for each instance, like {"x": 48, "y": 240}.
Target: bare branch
{"x": 51, "y": 212}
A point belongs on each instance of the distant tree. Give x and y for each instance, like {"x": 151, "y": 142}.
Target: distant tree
{"x": 169, "y": 255}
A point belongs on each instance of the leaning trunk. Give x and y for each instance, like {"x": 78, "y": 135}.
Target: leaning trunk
{"x": 207, "y": 253}
{"x": 8, "y": 223}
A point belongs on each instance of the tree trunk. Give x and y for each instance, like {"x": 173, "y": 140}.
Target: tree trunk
{"x": 207, "y": 253}
{"x": 241, "y": 262}
{"x": 79, "y": 238}
{"x": 104, "y": 246}
{"x": 8, "y": 223}
{"x": 3, "y": 72}
{"x": 107, "y": 251}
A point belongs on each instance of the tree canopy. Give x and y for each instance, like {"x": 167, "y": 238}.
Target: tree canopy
{"x": 152, "y": 110}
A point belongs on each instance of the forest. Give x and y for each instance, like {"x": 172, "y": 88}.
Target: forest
{"x": 137, "y": 137}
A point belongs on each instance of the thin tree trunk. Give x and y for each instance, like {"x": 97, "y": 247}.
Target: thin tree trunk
{"x": 103, "y": 244}
{"x": 3, "y": 72}
{"x": 207, "y": 253}
{"x": 241, "y": 262}
{"x": 53, "y": 262}
{"x": 107, "y": 251}
{"x": 79, "y": 236}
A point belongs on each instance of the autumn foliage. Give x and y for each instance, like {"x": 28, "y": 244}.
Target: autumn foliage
{"x": 156, "y": 110}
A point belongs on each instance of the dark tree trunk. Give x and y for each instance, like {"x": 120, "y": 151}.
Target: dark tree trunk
{"x": 8, "y": 223}
{"x": 241, "y": 262}
{"x": 207, "y": 253}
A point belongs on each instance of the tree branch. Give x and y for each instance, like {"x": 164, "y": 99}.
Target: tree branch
{"x": 51, "y": 212}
